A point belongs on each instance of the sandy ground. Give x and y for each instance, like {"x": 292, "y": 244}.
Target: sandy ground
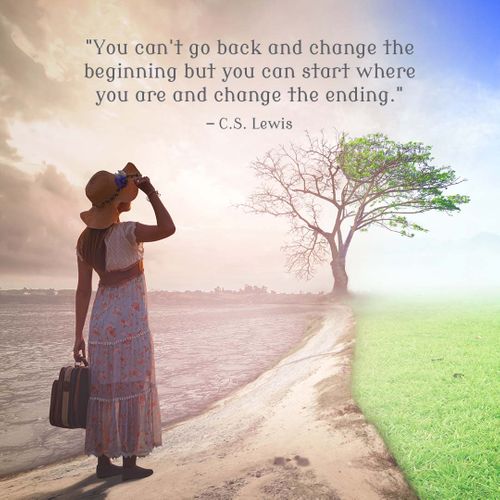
{"x": 292, "y": 433}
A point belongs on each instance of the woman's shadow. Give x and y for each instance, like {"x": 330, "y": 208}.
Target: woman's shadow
{"x": 90, "y": 487}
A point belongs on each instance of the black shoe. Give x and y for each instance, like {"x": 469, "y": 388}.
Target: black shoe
{"x": 108, "y": 471}
{"x": 135, "y": 472}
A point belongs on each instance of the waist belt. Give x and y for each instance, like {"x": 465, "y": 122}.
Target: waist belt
{"x": 113, "y": 278}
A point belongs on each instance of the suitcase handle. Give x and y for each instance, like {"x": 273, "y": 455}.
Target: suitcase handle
{"x": 80, "y": 360}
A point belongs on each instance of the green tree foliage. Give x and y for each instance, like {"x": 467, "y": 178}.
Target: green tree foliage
{"x": 395, "y": 180}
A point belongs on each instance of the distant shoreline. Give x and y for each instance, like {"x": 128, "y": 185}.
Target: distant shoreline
{"x": 63, "y": 296}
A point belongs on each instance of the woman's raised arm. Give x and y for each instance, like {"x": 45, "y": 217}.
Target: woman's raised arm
{"x": 165, "y": 226}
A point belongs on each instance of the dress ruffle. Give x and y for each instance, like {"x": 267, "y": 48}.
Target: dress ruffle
{"x": 124, "y": 426}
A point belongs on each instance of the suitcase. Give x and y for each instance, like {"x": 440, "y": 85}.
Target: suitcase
{"x": 69, "y": 397}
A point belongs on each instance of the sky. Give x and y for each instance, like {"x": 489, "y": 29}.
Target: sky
{"x": 53, "y": 138}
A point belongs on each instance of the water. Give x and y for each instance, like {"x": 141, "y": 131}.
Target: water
{"x": 202, "y": 352}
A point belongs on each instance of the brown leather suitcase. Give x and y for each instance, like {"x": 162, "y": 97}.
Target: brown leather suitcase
{"x": 69, "y": 397}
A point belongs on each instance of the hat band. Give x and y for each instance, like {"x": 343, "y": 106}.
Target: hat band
{"x": 121, "y": 180}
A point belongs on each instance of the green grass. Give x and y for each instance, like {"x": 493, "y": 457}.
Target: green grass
{"x": 426, "y": 374}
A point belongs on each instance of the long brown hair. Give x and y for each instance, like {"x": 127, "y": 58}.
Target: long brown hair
{"x": 92, "y": 248}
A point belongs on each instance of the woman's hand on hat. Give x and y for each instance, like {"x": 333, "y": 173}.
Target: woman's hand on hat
{"x": 144, "y": 184}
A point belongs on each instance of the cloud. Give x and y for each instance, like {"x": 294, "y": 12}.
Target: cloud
{"x": 39, "y": 222}
{"x": 7, "y": 152}
{"x": 27, "y": 92}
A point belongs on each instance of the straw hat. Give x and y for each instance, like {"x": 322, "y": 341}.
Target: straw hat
{"x": 106, "y": 191}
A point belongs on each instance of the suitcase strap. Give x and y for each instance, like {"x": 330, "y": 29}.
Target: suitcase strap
{"x": 65, "y": 397}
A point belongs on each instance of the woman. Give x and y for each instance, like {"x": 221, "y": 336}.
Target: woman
{"x": 123, "y": 413}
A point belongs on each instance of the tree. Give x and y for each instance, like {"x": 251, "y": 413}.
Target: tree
{"x": 328, "y": 192}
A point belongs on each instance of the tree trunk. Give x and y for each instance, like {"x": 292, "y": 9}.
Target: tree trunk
{"x": 340, "y": 278}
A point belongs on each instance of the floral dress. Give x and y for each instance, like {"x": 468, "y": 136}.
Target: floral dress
{"x": 123, "y": 413}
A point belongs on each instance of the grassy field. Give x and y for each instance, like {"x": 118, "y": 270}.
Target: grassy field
{"x": 426, "y": 373}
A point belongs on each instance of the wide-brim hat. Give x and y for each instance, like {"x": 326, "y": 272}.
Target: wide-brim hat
{"x": 106, "y": 191}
